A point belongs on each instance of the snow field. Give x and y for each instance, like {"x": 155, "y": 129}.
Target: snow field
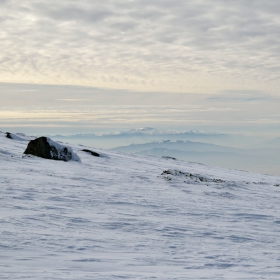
{"x": 119, "y": 217}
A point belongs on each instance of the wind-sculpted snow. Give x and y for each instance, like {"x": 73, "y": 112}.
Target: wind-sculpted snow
{"x": 118, "y": 217}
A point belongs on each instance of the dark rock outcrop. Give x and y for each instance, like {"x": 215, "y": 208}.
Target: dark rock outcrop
{"x": 8, "y": 135}
{"x": 44, "y": 147}
{"x": 91, "y": 152}
{"x": 14, "y": 136}
{"x": 167, "y": 157}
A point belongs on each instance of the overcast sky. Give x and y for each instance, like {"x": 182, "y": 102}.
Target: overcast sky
{"x": 217, "y": 54}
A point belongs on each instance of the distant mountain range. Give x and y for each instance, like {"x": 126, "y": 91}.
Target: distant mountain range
{"x": 226, "y": 150}
{"x": 149, "y": 134}
{"x": 258, "y": 160}
{"x": 181, "y": 145}
{"x": 146, "y": 131}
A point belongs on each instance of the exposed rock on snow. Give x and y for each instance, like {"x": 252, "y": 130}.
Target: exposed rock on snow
{"x": 167, "y": 157}
{"x": 8, "y": 135}
{"x": 91, "y": 152}
{"x": 13, "y": 136}
{"x": 189, "y": 177}
{"x": 19, "y": 136}
{"x": 44, "y": 147}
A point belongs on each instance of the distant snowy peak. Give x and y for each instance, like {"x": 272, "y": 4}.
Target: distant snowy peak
{"x": 149, "y": 131}
{"x": 171, "y": 142}
{"x": 146, "y": 131}
{"x": 154, "y": 131}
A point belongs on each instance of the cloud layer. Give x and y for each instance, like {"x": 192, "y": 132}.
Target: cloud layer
{"x": 167, "y": 45}
{"x": 72, "y": 109}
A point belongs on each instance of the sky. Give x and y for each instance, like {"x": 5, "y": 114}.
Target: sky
{"x": 83, "y": 66}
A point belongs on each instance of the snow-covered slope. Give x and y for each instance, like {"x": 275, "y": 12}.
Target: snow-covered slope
{"x": 134, "y": 217}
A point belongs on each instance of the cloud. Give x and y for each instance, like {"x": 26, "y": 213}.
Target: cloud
{"x": 166, "y": 45}
{"x": 243, "y": 95}
{"x": 58, "y": 109}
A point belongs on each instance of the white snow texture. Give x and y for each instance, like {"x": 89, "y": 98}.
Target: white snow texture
{"x": 134, "y": 217}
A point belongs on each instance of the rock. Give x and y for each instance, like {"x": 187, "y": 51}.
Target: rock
{"x": 8, "y": 135}
{"x": 44, "y": 147}
{"x": 167, "y": 157}
{"x": 13, "y": 136}
{"x": 91, "y": 152}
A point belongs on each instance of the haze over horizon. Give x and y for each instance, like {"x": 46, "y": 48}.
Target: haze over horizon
{"x": 82, "y": 67}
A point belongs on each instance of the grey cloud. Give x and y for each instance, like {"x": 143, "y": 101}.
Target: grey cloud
{"x": 73, "y": 13}
{"x": 92, "y": 41}
{"x": 244, "y": 96}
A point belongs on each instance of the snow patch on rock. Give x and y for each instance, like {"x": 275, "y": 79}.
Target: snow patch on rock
{"x": 62, "y": 152}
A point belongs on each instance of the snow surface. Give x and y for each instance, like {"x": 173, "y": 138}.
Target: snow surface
{"x": 134, "y": 217}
